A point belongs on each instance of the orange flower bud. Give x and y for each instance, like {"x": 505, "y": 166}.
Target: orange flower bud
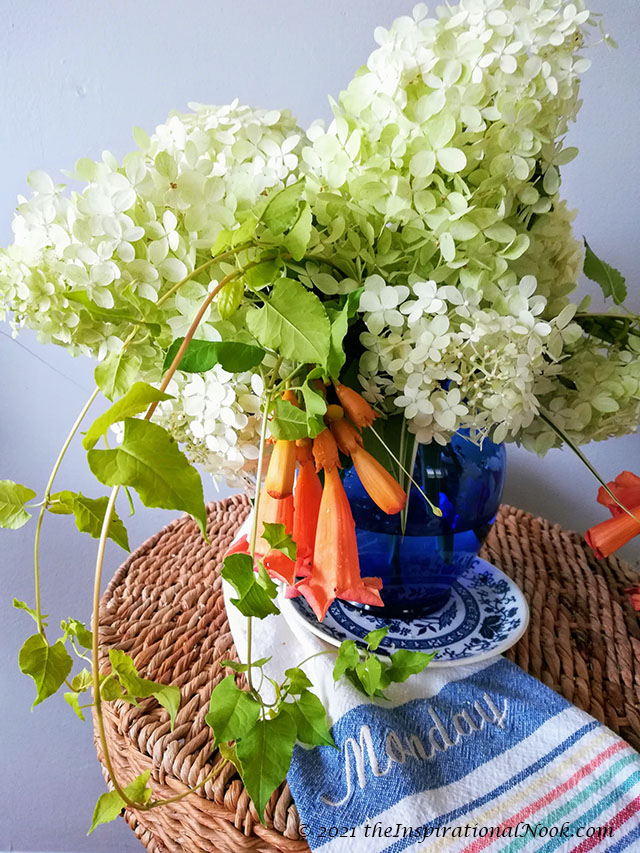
{"x": 347, "y": 436}
{"x": 383, "y": 489}
{"x": 325, "y": 451}
{"x": 282, "y": 469}
{"x": 334, "y": 413}
{"x": 356, "y": 407}
{"x": 304, "y": 452}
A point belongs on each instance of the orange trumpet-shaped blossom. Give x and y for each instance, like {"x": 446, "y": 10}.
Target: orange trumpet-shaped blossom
{"x": 608, "y": 536}
{"x": 383, "y": 489}
{"x": 282, "y": 465}
{"x": 325, "y": 451}
{"x": 356, "y": 407}
{"x": 273, "y": 511}
{"x": 281, "y": 472}
{"x": 335, "y": 570}
{"x": 626, "y": 487}
{"x": 306, "y": 506}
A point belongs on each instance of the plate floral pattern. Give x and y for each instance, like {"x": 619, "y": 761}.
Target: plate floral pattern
{"x": 484, "y": 617}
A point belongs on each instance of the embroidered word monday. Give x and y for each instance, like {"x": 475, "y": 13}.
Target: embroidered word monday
{"x": 399, "y": 750}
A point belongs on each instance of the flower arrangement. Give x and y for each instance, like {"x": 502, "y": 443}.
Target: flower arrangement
{"x": 243, "y": 282}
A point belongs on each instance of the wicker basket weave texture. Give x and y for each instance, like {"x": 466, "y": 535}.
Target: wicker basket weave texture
{"x": 165, "y": 608}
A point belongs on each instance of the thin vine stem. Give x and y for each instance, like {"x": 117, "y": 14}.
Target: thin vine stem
{"x": 192, "y": 329}
{"x": 563, "y": 435}
{"x": 434, "y": 509}
{"x": 254, "y": 522}
{"x": 45, "y": 504}
{"x": 176, "y": 287}
{"x": 97, "y": 583}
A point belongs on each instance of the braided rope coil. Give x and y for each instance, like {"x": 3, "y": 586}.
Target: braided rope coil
{"x": 165, "y": 608}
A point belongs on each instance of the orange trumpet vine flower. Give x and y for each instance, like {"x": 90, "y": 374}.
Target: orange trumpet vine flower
{"x": 306, "y": 506}
{"x": 274, "y": 511}
{"x": 335, "y": 570}
{"x": 325, "y": 451}
{"x": 608, "y": 536}
{"x": 356, "y": 407}
{"x": 282, "y": 465}
{"x": 383, "y": 489}
{"x": 281, "y": 472}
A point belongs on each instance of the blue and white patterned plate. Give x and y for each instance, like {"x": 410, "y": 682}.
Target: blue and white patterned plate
{"x": 485, "y": 616}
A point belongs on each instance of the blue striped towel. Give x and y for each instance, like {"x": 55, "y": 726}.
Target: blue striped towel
{"x": 463, "y": 759}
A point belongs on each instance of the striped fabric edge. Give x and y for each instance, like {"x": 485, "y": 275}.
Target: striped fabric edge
{"x": 523, "y": 801}
{"x": 521, "y": 759}
{"x": 605, "y": 770}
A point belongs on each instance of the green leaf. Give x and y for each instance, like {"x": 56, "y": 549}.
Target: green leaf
{"x": 229, "y": 752}
{"x": 232, "y": 712}
{"x": 89, "y": 514}
{"x": 82, "y": 681}
{"x": 404, "y": 663}
{"x": 111, "y": 804}
{"x": 265, "y": 754}
{"x": 245, "y": 232}
{"x": 289, "y": 422}
{"x": 369, "y": 671}
{"x": 136, "y": 400}
{"x": 348, "y": 658}
{"x": 20, "y": 605}
{"x": 110, "y": 689}
{"x": 374, "y": 638}
{"x": 229, "y": 298}
{"x": 292, "y": 322}
{"x": 298, "y": 680}
{"x": 264, "y": 273}
{"x": 148, "y": 460}
{"x": 201, "y": 356}
{"x": 13, "y": 498}
{"x": 298, "y": 238}
{"x": 339, "y": 327}
{"x": 47, "y": 665}
{"x": 167, "y": 695}
{"x": 74, "y": 628}
{"x": 315, "y": 407}
{"x": 117, "y": 373}
{"x": 276, "y": 536}
{"x": 73, "y": 699}
{"x": 310, "y": 718}
{"x": 112, "y": 315}
{"x": 611, "y": 281}
{"x": 264, "y": 580}
{"x": 253, "y": 599}
{"x": 282, "y": 210}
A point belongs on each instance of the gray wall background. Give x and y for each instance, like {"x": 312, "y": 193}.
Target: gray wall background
{"x": 74, "y": 79}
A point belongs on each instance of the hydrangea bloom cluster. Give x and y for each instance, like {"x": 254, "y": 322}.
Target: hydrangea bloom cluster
{"x": 134, "y": 231}
{"x": 443, "y": 164}
{"x": 434, "y": 194}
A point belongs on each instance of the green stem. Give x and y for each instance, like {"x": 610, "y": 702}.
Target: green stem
{"x": 95, "y": 663}
{"x": 214, "y": 773}
{"x": 434, "y": 509}
{"x": 202, "y": 268}
{"x": 95, "y": 667}
{"x": 563, "y": 435}
{"x": 45, "y": 504}
{"x": 254, "y": 521}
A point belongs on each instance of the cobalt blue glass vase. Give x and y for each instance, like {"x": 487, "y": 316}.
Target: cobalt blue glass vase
{"x": 419, "y": 565}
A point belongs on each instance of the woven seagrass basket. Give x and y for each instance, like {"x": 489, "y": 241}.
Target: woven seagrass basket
{"x": 164, "y": 607}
